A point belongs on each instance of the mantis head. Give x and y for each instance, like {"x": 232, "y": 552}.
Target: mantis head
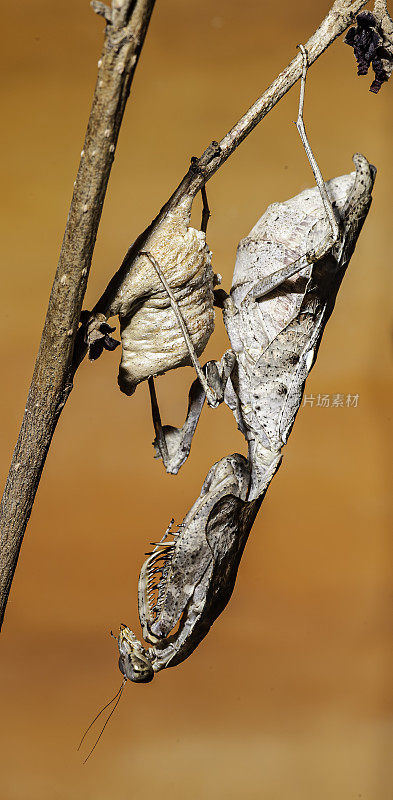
{"x": 134, "y": 663}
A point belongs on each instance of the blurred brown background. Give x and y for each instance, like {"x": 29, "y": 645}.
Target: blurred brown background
{"x": 289, "y": 695}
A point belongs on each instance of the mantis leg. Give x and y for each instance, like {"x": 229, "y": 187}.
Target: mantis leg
{"x": 270, "y": 282}
{"x": 310, "y": 155}
{"x": 160, "y": 441}
{"x": 173, "y": 445}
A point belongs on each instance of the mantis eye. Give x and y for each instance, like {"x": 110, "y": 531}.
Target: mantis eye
{"x": 135, "y": 669}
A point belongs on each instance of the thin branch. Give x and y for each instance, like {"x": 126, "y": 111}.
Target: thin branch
{"x": 339, "y": 18}
{"x": 52, "y": 378}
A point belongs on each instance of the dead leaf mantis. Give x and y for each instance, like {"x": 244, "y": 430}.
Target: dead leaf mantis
{"x": 287, "y": 275}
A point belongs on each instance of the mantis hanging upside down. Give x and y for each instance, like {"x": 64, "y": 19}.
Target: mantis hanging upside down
{"x": 286, "y": 278}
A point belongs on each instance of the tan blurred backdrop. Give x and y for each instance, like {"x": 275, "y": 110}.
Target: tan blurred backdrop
{"x": 289, "y": 695}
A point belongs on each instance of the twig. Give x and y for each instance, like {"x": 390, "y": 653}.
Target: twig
{"x": 52, "y": 378}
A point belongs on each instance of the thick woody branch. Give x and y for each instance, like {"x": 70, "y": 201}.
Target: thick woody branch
{"x": 127, "y": 23}
{"x": 339, "y": 18}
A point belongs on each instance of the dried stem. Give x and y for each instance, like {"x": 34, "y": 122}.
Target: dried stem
{"x": 127, "y": 22}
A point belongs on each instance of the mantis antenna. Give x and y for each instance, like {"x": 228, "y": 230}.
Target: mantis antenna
{"x": 118, "y": 696}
